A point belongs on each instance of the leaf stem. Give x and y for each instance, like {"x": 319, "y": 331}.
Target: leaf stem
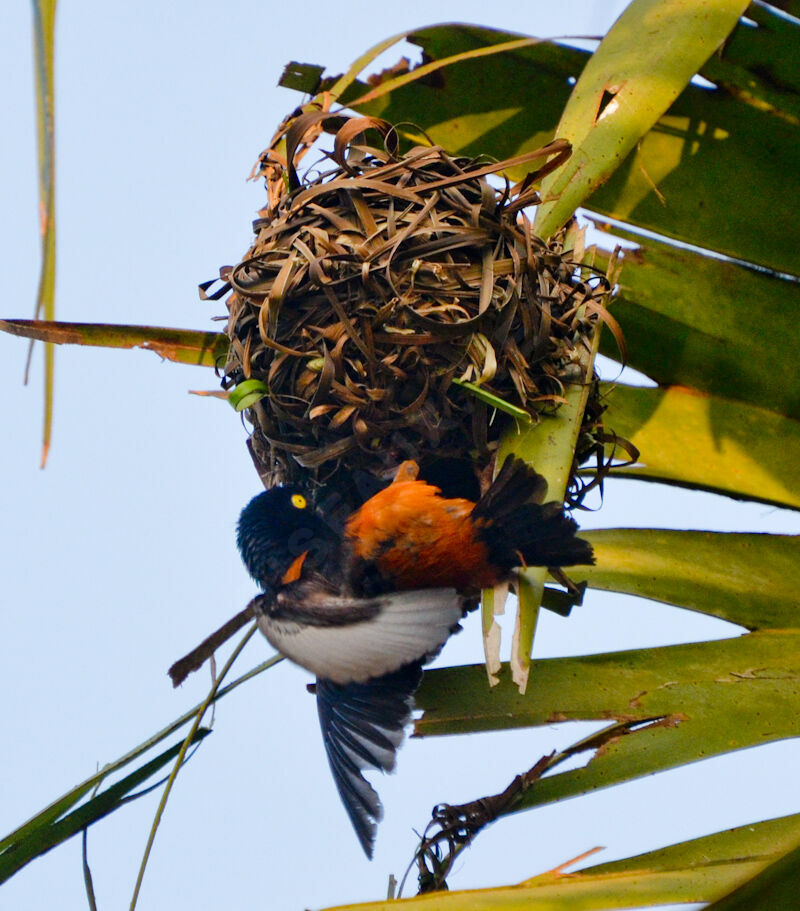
{"x": 179, "y": 761}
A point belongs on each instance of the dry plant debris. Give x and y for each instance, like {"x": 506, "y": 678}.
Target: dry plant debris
{"x": 381, "y": 283}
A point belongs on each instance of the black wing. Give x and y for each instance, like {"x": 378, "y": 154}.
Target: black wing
{"x": 362, "y": 728}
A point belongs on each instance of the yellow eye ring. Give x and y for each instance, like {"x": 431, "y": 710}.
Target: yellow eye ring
{"x": 299, "y": 501}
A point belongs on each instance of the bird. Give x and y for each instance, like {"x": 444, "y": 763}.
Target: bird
{"x": 363, "y": 601}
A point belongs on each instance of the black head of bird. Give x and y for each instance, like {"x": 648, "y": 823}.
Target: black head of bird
{"x": 277, "y": 531}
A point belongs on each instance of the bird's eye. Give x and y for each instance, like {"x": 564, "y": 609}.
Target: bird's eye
{"x": 299, "y": 501}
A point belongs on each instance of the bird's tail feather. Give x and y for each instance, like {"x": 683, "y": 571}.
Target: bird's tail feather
{"x": 519, "y": 530}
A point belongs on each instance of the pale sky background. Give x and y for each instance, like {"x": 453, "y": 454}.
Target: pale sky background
{"x": 120, "y": 556}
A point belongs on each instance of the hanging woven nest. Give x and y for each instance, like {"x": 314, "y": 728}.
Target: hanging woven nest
{"x": 388, "y": 299}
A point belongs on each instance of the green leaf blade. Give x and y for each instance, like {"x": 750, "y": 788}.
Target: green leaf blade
{"x": 44, "y": 23}
{"x": 683, "y": 695}
{"x": 696, "y": 870}
{"x": 773, "y": 889}
{"x": 184, "y": 346}
{"x": 641, "y": 66}
{"x": 748, "y": 579}
{"x": 40, "y": 839}
{"x": 247, "y": 393}
{"x": 713, "y": 171}
{"x": 685, "y": 324}
{"x": 705, "y": 442}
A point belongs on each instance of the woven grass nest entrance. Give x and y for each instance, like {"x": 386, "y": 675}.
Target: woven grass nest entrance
{"x": 390, "y": 300}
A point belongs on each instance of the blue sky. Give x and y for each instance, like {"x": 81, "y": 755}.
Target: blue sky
{"x": 120, "y": 555}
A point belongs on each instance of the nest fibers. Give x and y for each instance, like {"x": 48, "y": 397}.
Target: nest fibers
{"x": 376, "y": 289}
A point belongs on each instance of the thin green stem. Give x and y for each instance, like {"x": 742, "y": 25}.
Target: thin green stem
{"x": 180, "y": 757}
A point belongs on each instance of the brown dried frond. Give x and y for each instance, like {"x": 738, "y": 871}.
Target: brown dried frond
{"x": 374, "y": 284}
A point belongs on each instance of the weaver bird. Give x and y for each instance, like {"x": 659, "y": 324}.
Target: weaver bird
{"x": 366, "y": 603}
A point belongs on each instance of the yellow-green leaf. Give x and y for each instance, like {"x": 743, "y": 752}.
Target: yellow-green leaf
{"x": 247, "y": 393}
{"x": 493, "y": 401}
{"x": 694, "y": 320}
{"x": 39, "y": 839}
{"x": 460, "y": 107}
{"x": 715, "y": 170}
{"x": 550, "y": 446}
{"x": 696, "y": 870}
{"x": 774, "y": 889}
{"x": 684, "y": 696}
{"x": 186, "y": 346}
{"x": 637, "y": 72}
{"x": 44, "y": 24}
{"x": 708, "y": 443}
{"x": 758, "y": 841}
{"x": 749, "y": 579}
{"x": 759, "y": 63}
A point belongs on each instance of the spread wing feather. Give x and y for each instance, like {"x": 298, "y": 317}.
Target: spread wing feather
{"x": 362, "y": 728}
{"x": 346, "y": 640}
